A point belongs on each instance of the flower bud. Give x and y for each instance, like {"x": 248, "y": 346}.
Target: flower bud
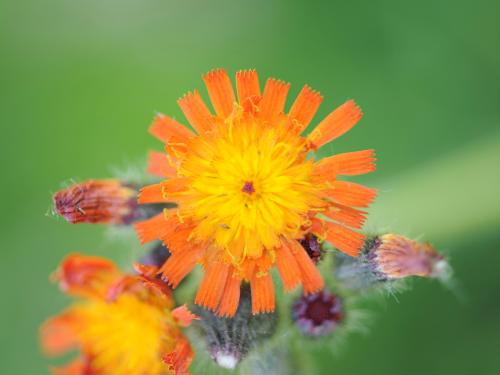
{"x": 312, "y": 246}
{"x": 97, "y": 201}
{"x": 389, "y": 257}
{"x": 317, "y": 314}
{"x": 229, "y": 340}
{"x": 397, "y": 257}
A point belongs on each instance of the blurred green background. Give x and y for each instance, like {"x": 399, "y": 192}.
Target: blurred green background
{"x": 81, "y": 80}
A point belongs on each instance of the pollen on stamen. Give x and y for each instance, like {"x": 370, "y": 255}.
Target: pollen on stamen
{"x": 248, "y": 188}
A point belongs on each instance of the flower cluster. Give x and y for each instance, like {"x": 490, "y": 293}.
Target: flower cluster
{"x": 241, "y": 194}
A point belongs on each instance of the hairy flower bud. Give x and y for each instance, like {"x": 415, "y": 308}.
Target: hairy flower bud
{"x": 389, "y": 257}
{"x": 97, "y": 201}
{"x": 230, "y": 339}
{"x": 397, "y": 257}
{"x": 317, "y": 314}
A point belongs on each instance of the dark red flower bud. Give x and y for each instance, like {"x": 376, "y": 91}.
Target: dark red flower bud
{"x": 312, "y": 246}
{"x": 97, "y": 201}
{"x": 317, "y": 314}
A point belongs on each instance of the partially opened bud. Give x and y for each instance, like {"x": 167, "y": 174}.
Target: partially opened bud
{"x": 389, "y": 257}
{"x": 313, "y": 247}
{"x": 396, "y": 257}
{"x": 230, "y": 339}
{"x": 317, "y": 314}
{"x": 97, "y": 201}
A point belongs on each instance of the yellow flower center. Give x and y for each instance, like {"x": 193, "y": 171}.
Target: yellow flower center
{"x": 250, "y": 184}
{"x": 123, "y": 337}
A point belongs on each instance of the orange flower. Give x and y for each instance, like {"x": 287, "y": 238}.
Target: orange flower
{"x": 122, "y": 324}
{"x": 247, "y": 189}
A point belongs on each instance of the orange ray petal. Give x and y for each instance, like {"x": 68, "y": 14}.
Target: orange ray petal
{"x": 247, "y": 84}
{"x": 183, "y": 316}
{"x": 152, "y": 194}
{"x": 84, "y": 275}
{"x": 147, "y": 275}
{"x": 312, "y": 280}
{"x": 78, "y": 366}
{"x": 164, "y": 191}
{"x": 354, "y": 163}
{"x": 273, "y": 99}
{"x": 335, "y": 124}
{"x": 178, "y": 239}
{"x": 179, "y": 264}
{"x": 304, "y": 108}
{"x": 196, "y": 111}
{"x": 58, "y": 334}
{"x": 231, "y": 296}
{"x": 156, "y": 227}
{"x": 247, "y": 269}
{"x": 159, "y": 165}
{"x": 349, "y": 163}
{"x": 288, "y": 268}
{"x": 344, "y": 239}
{"x": 262, "y": 293}
{"x": 318, "y": 227}
{"x": 175, "y": 148}
{"x": 126, "y": 282}
{"x": 165, "y": 127}
{"x": 351, "y": 194}
{"x": 212, "y": 285}
{"x": 180, "y": 358}
{"x": 220, "y": 91}
{"x": 346, "y": 215}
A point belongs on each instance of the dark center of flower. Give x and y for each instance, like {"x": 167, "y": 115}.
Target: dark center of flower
{"x": 248, "y": 188}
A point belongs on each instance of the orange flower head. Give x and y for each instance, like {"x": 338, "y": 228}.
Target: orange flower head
{"x": 96, "y": 201}
{"x": 247, "y": 189}
{"x": 122, "y": 324}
